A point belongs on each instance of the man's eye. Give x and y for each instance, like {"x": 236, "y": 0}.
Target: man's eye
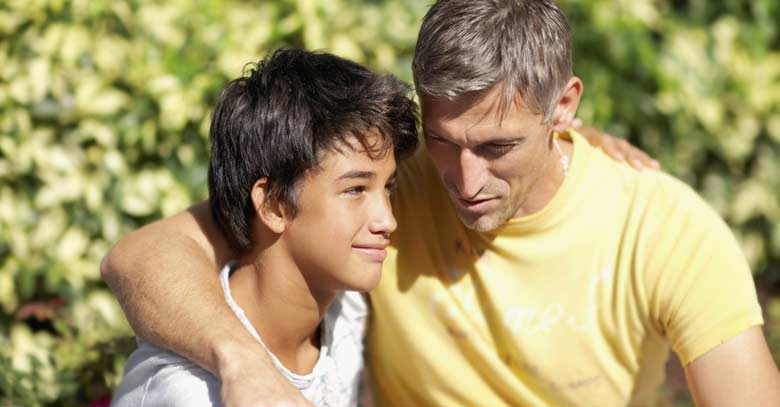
{"x": 503, "y": 146}
{"x": 499, "y": 148}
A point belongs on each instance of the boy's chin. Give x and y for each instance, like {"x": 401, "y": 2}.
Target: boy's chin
{"x": 368, "y": 279}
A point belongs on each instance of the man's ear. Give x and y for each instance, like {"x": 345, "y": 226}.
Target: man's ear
{"x": 270, "y": 213}
{"x": 564, "y": 112}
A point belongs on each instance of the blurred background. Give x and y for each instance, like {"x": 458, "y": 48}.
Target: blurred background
{"x": 104, "y": 113}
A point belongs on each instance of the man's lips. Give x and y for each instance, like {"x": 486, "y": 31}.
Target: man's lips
{"x": 474, "y": 204}
{"x": 376, "y": 253}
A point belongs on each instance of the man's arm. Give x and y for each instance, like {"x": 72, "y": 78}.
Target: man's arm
{"x": 739, "y": 372}
{"x": 165, "y": 276}
{"x": 702, "y": 297}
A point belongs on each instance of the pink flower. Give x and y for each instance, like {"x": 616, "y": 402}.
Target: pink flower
{"x": 104, "y": 401}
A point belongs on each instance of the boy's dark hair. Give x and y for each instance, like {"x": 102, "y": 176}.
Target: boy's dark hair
{"x": 276, "y": 121}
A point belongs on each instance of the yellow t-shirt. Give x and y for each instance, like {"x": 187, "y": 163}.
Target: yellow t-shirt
{"x": 576, "y": 304}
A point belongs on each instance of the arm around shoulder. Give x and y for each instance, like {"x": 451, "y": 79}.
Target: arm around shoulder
{"x": 166, "y": 277}
{"x": 167, "y": 283}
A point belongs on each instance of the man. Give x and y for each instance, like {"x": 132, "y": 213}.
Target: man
{"x": 527, "y": 268}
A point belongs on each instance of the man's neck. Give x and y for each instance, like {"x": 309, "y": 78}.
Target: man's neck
{"x": 281, "y": 306}
{"x": 545, "y": 188}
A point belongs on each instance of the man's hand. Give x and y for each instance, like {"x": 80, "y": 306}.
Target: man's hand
{"x": 617, "y": 148}
{"x": 738, "y": 372}
{"x": 246, "y": 381}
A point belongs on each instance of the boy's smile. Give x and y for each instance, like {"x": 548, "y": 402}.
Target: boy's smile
{"x": 375, "y": 252}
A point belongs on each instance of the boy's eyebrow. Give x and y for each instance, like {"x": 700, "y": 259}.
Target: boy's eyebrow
{"x": 357, "y": 174}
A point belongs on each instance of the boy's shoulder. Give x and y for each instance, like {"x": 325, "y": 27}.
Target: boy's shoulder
{"x": 157, "y": 377}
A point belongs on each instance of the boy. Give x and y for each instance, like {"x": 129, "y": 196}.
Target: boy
{"x": 302, "y": 165}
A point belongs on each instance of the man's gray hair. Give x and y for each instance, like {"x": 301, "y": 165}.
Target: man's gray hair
{"x": 468, "y": 46}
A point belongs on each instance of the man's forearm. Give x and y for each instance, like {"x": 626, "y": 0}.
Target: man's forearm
{"x": 175, "y": 301}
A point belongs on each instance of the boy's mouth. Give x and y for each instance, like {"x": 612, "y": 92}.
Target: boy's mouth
{"x": 373, "y": 252}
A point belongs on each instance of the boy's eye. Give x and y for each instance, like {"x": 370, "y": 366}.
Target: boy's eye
{"x": 355, "y": 190}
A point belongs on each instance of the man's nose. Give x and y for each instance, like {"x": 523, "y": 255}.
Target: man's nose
{"x": 470, "y": 179}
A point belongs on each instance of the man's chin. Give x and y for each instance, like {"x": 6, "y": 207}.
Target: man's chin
{"x": 480, "y": 222}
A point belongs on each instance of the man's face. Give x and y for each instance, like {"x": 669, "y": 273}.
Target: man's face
{"x": 344, "y": 220}
{"x": 493, "y": 167}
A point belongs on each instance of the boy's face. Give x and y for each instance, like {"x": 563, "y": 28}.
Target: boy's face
{"x": 344, "y": 220}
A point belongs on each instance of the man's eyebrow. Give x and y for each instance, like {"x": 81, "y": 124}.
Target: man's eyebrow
{"x": 357, "y": 174}
{"x": 499, "y": 140}
{"x": 507, "y": 140}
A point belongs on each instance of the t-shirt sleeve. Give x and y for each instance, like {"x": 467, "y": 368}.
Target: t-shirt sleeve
{"x": 701, "y": 290}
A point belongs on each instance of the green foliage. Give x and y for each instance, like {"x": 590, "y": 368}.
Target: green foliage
{"x": 104, "y": 111}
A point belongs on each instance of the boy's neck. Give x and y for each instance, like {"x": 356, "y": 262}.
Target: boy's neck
{"x": 281, "y": 305}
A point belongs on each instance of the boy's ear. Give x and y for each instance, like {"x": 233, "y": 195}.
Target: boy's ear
{"x": 271, "y": 214}
{"x": 563, "y": 116}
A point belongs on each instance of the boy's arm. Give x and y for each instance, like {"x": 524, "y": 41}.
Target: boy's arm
{"x": 738, "y": 372}
{"x": 165, "y": 276}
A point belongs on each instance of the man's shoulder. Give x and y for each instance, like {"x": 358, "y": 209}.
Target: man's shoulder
{"x": 648, "y": 188}
{"x": 656, "y": 199}
{"x": 665, "y": 208}
{"x": 665, "y": 192}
